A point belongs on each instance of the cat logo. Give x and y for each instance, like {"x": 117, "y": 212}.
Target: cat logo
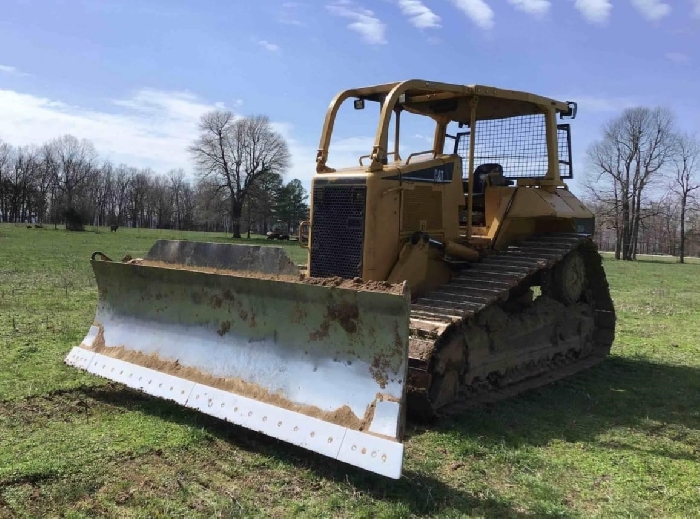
{"x": 438, "y": 175}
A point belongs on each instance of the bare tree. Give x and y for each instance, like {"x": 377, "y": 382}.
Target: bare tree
{"x": 187, "y": 207}
{"x": 26, "y": 167}
{"x": 5, "y": 166}
{"x": 159, "y": 201}
{"x": 120, "y": 194}
{"x": 65, "y": 180}
{"x": 685, "y": 161}
{"x": 100, "y": 192}
{"x": 625, "y": 162}
{"x": 176, "y": 178}
{"x": 233, "y": 153}
{"x": 74, "y": 162}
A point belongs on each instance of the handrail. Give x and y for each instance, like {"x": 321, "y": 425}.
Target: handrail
{"x": 368, "y": 156}
{"x": 418, "y": 153}
{"x": 302, "y": 225}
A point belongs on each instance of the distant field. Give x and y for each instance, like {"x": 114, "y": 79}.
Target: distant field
{"x": 664, "y": 258}
{"x": 621, "y": 439}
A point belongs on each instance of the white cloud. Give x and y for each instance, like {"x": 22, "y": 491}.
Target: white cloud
{"x": 696, "y": 8}
{"x": 364, "y": 22}
{"x": 421, "y": 137}
{"x": 677, "y": 57}
{"x": 652, "y": 9}
{"x": 342, "y": 153}
{"x": 13, "y": 71}
{"x": 533, "y": 7}
{"x": 272, "y": 47}
{"x": 288, "y": 14}
{"x": 595, "y": 11}
{"x": 477, "y": 10}
{"x": 150, "y": 128}
{"x": 419, "y": 14}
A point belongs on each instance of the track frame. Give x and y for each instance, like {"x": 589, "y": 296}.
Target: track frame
{"x": 440, "y": 322}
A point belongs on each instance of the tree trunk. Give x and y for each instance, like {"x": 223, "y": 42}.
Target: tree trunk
{"x": 249, "y": 219}
{"x": 626, "y": 230}
{"x": 682, "y": 244}
{"x": 236, "y": 210}
{"x": 637, "y": 223}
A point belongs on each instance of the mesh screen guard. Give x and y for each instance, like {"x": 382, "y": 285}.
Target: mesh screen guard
{"x": 518, "y": 144}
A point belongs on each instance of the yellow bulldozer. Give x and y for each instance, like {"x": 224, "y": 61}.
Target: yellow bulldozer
{"x": 457, "y": 275}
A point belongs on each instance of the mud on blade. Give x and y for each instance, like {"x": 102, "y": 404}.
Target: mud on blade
{"x": 321, "y": 367}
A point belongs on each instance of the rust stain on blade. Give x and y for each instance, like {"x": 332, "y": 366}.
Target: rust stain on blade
{"x": 382, "y": 363}
{"x": 345, "y": 314}
{"x": 378, "y": 370}
{"x": 322, "y": 331}
{"x": 225, "y": 327}
{"x": 299, "y": 314}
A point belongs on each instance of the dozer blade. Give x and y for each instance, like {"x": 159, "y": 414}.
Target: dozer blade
{"x": 234, "y": 332}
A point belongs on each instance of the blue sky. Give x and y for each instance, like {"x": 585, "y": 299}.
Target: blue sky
{"x": 134, "y": 75}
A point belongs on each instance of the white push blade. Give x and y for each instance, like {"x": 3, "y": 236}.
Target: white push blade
{"x": 319, "y": 364}
{"x": 372, "y": 453}
{"x": 367, "y": 451}
{"x": 79, "y": 357}
{"x": 147, "y": 380}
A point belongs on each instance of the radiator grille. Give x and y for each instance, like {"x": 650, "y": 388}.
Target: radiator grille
{"x": 337, "y": 232}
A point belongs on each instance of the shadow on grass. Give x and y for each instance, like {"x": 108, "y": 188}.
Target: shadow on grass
{"x": 621, "y": 392}
{"x": 420, "y": 493}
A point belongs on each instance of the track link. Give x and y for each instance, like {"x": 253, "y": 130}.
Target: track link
{"x": 480, "y": 339}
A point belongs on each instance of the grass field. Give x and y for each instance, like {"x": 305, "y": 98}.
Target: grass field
{"x": 621, "y": 439}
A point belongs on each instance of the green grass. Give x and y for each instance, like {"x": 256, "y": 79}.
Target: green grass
{"x": 621, "y": 439}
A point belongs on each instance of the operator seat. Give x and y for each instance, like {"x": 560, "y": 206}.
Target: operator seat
{"x": 485, "y": 175}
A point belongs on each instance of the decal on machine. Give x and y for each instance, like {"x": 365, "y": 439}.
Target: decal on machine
{"x": 441, "y": 174}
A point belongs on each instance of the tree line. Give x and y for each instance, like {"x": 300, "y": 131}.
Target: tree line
{"x": 642, "y": 183}
{"x": 238, "y": 183}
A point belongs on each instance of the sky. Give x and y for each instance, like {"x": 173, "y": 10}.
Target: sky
{"x": 134, "y": 76}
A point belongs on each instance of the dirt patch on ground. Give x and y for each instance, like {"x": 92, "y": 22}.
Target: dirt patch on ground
{"x": 343, "y": 416}
{"x": 38, "y": 410}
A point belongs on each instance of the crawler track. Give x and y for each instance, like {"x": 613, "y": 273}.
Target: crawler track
{"x": 482, "y": 337}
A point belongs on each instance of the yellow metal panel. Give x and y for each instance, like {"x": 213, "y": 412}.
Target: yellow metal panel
{"x": 531, "y": 203}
